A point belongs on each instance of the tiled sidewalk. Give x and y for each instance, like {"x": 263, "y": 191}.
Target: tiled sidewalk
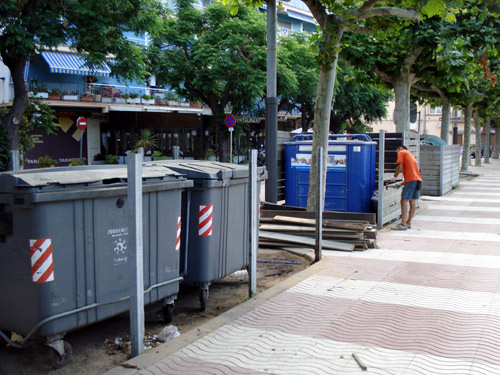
{"x": 427, "y": 301}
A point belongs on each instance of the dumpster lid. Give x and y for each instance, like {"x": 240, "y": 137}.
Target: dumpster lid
{"x": 207, "y": 170}
{"x": 78, "y": 175}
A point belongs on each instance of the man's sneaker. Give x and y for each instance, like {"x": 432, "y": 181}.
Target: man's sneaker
{"x": 408, "y": 225}
{"x": 399, "y": 227}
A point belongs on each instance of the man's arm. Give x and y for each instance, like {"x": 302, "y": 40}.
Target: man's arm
{"x": 398, "y": 170}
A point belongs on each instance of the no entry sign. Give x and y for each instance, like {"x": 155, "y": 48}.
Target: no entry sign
{"x": 81, "y": 122}
{"x": 230, "y": 121}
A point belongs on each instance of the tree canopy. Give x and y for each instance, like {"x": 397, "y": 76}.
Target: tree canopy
{"x": 93, "y": 28}
{"x": 214, "y": 57}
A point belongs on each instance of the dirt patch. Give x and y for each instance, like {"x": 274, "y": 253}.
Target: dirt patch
{"x": 94, "y": 349}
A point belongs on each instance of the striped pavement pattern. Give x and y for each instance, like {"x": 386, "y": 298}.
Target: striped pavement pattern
{"x": 426, "y": 301}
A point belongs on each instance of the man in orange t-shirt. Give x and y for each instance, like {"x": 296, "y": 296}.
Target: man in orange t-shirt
{"x": 411, "y": 186}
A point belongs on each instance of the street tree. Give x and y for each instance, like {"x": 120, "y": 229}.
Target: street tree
{"x": 214, "y": 57}
{"x": 298, "y": 72}
{"x": 358, "y": 100}
{"x": 335, "y": 18}
{"x": 461, "y": 46}
{"x": 93, "y": 28}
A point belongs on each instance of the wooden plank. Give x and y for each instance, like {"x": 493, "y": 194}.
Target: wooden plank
{"x": 288, "y": 238}
{"x": 326, "y": 223}
{"x": 329, "y": 215}
{"x": 300, "y": 228}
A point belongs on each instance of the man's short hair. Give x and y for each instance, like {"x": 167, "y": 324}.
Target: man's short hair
{"x": 403, "y": 147}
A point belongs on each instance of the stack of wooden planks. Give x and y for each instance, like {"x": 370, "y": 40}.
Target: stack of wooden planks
{"x": 282, "y": 226}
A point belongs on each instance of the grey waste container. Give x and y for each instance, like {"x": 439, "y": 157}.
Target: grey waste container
{"x": 64, "y": 256}
{"x": 218, "y": 228}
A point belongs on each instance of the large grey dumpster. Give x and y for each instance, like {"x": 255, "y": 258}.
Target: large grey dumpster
{"x": 64, "y": 256}
{"x": 218, "y": 233}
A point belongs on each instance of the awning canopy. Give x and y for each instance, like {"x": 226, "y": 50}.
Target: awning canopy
{"x": 69, "y": 63}
{"x": 300, "y": 16}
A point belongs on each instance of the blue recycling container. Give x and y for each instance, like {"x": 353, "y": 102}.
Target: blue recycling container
{"x": 350, "y": 179}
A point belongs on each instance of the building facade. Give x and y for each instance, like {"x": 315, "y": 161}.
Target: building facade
{"x": 117, "y": 111}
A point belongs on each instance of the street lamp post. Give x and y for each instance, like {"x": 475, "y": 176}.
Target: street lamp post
{"x": 271, "y": 106}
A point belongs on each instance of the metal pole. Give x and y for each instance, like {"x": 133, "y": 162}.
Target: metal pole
{"x": 271, "y": 107}
{"x": 81, "y": 144}
{"x": 455, "y": 126}
{"x": 175, "y": 152}
{"x": 14, "y": 160}
{"x": 320, "y": 205}
{"x": 231, "y": 145}
{"x": 134, "y": 171}
{"x": 254, "y": 224}
{"x": 381, "y": 171}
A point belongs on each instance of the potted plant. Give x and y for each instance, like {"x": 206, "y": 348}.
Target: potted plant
{"x": 111, "y": 159}
{"x": 46, "y": 162}
{"x": 55, "y": 94}
{"x": 86, "y": 97}
{"x": 72, "y": 95}
{"x": 41, "y": 93}
{"x": 146, "y": 99}
{"x": 107, "y": 96}
{"x": 210, "y": 155}
{"x": 146, "y": 140}
{"x": 118, "y": 97}
{"x": 99, "y": 159}
{"x": 77, "y": 162}
{"x": 134, "y": 98}
{"x": 157, "y": 155}
{"x": 173, "y": 99}
{"x": 195, "y": 104}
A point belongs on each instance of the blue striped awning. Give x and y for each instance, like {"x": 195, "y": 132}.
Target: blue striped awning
{"x": 69, "y": 63}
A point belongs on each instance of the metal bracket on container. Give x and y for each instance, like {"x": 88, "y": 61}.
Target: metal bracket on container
{"x": 57, "y": 345}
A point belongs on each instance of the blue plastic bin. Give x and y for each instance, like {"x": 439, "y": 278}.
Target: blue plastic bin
{"x": 350, "y": 179}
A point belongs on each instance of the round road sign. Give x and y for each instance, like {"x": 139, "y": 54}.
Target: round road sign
{"x": 230, "y": 121}
{"x": 81, "y": 122}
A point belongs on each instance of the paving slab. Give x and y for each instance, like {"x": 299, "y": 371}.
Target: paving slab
{"x": 426, "y": 301}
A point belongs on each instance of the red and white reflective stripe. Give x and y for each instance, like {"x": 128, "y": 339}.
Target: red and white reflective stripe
{"x": 42, "y": 265}
{"x": 178, "y": 238}
{"x": 205, "y": 221}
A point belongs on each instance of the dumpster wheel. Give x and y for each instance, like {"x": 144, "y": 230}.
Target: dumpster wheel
{"x": 168, "y": 313}
{"x": 203, "y": 298}
{"x": 58, "y": 360}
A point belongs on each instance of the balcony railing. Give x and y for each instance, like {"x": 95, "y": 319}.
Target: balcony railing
{"x": 106, "y": 93}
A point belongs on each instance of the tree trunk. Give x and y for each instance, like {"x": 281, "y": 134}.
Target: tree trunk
{"x": 467, "y": 132}
{"x": 445, "y": 124}
{"x": 477, "y": 125}
{"x": 496, "y": 151}
{"x": 487, "y": 141}
{"x": 324, "y": 96}
{"x": 11, "y": 121}
{"x": 303, "y": 117}
{"x": 402, "y": 86}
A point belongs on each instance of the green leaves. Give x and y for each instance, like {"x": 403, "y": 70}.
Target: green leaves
{"x": 213, "y": 56}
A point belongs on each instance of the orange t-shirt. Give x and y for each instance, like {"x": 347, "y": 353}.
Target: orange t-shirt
{"x": 410, "y": 167}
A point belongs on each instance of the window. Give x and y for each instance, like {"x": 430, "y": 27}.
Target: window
{"x": 435, "y": 110}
